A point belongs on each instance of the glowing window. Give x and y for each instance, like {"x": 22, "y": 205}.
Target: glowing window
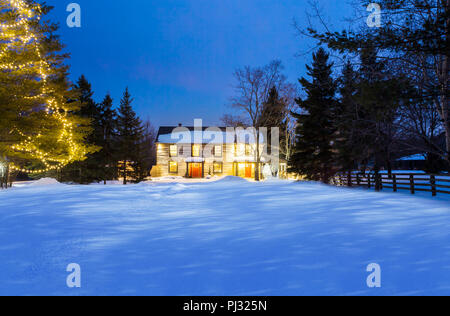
{"x": 218, "y": 151}
{"x": 173, "y": 167}
{"x": 173, "y": 150}
{"x": 248, "y": 150}
{"x": 240, "y": 150}
{"x": 195, "y": 150}
{"x": 218, "y": 167}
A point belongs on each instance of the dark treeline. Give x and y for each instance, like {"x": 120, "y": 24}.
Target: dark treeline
{"x": 388, "y": 100}
{"x": 124, "y": 143}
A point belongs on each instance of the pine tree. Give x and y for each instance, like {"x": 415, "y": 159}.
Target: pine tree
{"x": 274, "y": 114}
{"x": 130, "y": 135}
{"x": 108, "y": 123}
{"x": 89, "y": 170}
{"x": 313, "y": 156}
{"x": 415, "y": 33}
{"x": 147, "y": 153}
{"x": 380, "y": 95}
{"x": 348, "y": 146}
{"x": 37, "y": 125}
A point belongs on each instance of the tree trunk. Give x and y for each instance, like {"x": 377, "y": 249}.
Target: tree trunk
{"x": 9, "y": 178}
{"x": 445, "y": 86}
{"x": 258, "y": 158}
{"x": 125, "y": 173}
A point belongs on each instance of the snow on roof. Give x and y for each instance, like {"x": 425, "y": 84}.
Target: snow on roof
{"x": 417, "y": 157}
{"x": 218, "y": 136}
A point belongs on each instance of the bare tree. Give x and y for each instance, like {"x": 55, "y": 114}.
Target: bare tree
{"x": 253, "y": 86}
{"x": 234, "y": 121}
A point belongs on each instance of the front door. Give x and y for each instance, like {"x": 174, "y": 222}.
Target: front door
{"x": 195, "y": 170}
{"x": 248, "y": 170}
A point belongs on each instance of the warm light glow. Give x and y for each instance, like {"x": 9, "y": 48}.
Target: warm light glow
{"x": 18, "y": 36}
{"x": 173, "y": 150}
{"x": 196, "y": 150}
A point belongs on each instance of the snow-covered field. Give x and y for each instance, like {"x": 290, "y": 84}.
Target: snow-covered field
{"x": 229, "y": 237}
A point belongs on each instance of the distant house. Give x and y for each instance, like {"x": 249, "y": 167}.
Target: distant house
{"x": 193, "y": 153}
{"x": 411, "y": 162}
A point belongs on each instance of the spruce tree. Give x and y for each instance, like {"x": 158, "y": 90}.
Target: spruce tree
{"x": 274, "y": 114}
{"x": 349, "y": 146}
{"x": 313, "y": 156}
{"x": 108, "y": 123}
{"x": 130, "y": 135}
{"x": 89, "y": 170}
{"x": 380, "y": 95}
{"x": 415, "y": 34}
{"x": 38, "y": 128}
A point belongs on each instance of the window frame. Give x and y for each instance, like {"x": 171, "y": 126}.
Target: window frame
{"x": 170, "y": 151}
{"x": 199, "y": 151}
{"x": 214, "y": 167}
{"x": 215, "y": 151}
{"x": 176, "y": 164}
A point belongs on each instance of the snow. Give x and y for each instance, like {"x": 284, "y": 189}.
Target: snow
{"x": 221, "y": 237}
{"x": 45, "y": 182}
{"x": 417, "y": 157}
{"x": 184, "y": 136}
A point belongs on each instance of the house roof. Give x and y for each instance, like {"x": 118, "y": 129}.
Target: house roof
{"x": 167, "y": 130}
{"x": 208, "y": 135}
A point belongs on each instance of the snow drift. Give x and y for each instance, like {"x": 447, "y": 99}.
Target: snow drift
{"x": 229, "y": 237}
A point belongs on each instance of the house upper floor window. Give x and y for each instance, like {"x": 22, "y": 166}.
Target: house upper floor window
{"x": 173, "y": 150}
{"x": 218, "y": 151}
{"x": 196, "y": 150}
{"x": 244, "y": 150}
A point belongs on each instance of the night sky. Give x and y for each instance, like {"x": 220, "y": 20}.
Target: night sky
{"x": 177, "y": 56}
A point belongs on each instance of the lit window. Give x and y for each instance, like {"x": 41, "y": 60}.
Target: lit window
{"x": 195, "y": 150}
{"x": 173, "y": 167}
{"x": 218, "y": 151}
{"x": 218, "y": 167}
{"x": 173, "y": 150}
{"x": 240, "y": 150}
{"x": 248, "y": 150}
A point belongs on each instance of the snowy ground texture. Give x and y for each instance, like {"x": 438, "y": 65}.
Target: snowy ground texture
{"x": 229, "y": 237}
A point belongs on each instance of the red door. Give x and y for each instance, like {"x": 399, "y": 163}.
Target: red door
{"x": 248, "y": 170}
{"x": 196, "y": 170}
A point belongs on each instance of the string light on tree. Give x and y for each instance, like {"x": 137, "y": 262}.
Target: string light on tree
{"x": 21, "y": 36}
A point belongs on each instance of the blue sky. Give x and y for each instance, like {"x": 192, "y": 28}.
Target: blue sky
{"x": 177, "y": 56}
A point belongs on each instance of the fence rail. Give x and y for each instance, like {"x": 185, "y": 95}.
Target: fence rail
{"x": 413, "y": 182}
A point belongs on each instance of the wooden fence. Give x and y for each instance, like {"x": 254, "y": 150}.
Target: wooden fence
{"x": 413, "y": 182}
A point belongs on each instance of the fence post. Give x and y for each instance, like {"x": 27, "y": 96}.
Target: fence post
{"x": 433, "y": 185}
{"x": 368, "y": 181}
{"x": 411, "y": 181}
{"x": 349, "y": 179}
{"x": 358, "y": 180}
{"x": 395, "y": 182}
{"x": 377, "y": 182}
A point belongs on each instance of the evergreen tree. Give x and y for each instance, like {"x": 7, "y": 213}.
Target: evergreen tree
{"x": 380, "y": 96}
{"x": 313, "y": 156}
{"x": 130, "y": 132}
{"x": 416, "y": 33}
{"x": 147, "y": 153}
{"x": 348, "y": 146}
{"x": 90, "y": 169}
{"x": 274, "y": 114}
{"x": 37, "y": 125}
{"x": 108, "y": 123}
